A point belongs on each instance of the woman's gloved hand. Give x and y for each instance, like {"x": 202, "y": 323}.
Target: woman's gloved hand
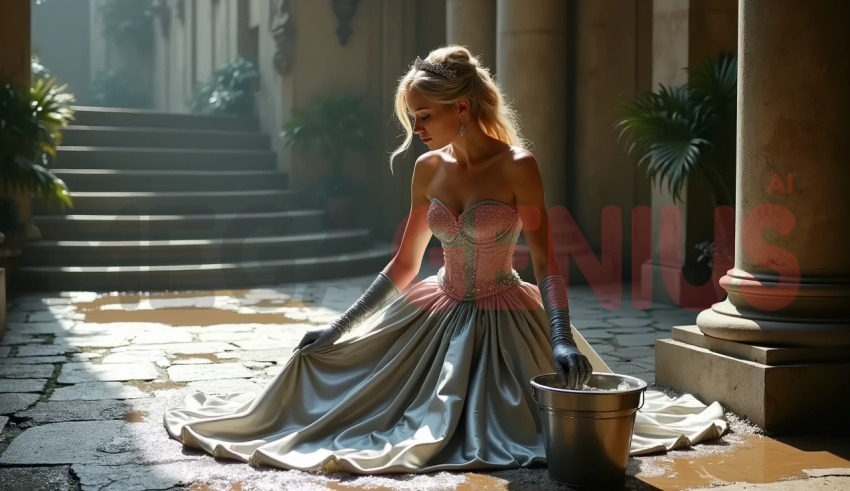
{"x": 574, "y": 369}
{"x": 378, "y": 293}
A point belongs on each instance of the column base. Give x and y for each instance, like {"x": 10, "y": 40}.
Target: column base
{"x": 783, "y": 390}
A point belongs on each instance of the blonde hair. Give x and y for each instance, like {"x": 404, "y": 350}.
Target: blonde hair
{"x": 487, "y": 104}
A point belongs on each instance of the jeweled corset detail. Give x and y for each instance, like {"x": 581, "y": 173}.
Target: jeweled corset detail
{"x": 478, "y": 248}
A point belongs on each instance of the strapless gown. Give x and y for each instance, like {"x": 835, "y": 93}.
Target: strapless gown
{"x": 437, "y": 379}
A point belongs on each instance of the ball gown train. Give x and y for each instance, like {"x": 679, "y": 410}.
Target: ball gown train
{"x": 437, "y": 379}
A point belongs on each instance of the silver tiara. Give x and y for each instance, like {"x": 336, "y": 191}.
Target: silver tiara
{"x": 437, "y": 68}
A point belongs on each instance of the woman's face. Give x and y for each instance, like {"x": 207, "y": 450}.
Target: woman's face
{"x": 436, "y": 124}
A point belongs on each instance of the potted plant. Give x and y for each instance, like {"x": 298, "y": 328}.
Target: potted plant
{"x": 689, "y": 132}
{"x": 229, "y": 90}
{"x": 331, "y": 128}
{"x": 30, "y": 130}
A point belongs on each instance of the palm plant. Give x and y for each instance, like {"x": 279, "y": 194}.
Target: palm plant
{"x": 682, "y": 130}
{"x": 330, "y": 128}
{"x": 30, "y": 130}
{"x": 229, "y": 90}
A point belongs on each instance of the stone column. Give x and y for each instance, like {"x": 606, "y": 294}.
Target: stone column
{"x": 472, "y": 23}
{"x": 790, "y": 286}
{"x": 531, "y": 53}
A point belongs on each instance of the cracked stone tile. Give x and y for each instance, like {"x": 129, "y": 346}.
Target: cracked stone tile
{"x": 222, "y": 328}
{"x": 16, "y": 316}
{"x": 4, "y": 351}
{"x": 46, "y": 350}
{"x": 22, "y": 385}
{"x": 85, "y": 356}
{"x": 633, "y": 330}
{"x": 64, "y": 411}
{"x": 194, "y": 361}
{"x": 11, "y": 339}
{"x": 630, "y": 340}
{"x": 77, "y": 442}
{"x": 57, "y": 326}
{"x": 34, "y": 360}
{"x": 163, "y": 337}
{"x": 93, "y": 341}
{"x": 631, "y": 321}
{"x": 12, "y": 403}
{"x": 634, "y": 353}
{"x": 54, "y": 478}
{"x": 226, "y": 386}
{"x": 595, "y": 334}
{"x": 227, "y": 336}
{"x": 626, "y": 368}
{"x": 181, "y": 348}
{"x": 273, "y": 370}
{"x": 93, "y": 391}
{"x": 265, "y": 343}
{"x": 25, "y": 371}
{"x": 281, "y": 355}
{"x": 134, "y": 356}
{"x": 602, "y": 348}
{"x": 73, "y": 373}
{"x": 3, "y": 421}
{"x": 193, "y": 373}
{"x": 49, "y": 316}
{"x": 256, "y": 364}
{"x": 581, "y": 325}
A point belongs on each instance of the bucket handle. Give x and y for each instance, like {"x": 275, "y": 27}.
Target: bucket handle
{"x": 642, "y": 399}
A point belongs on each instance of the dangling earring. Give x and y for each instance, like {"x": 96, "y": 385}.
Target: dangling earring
{"x": 462, "y": 127}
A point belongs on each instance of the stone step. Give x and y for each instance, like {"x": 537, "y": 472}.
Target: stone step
{"x": 159, "y": 227}
{"x": 183, "y": 203}
{"x": 137, "y": 253}
{"x": 116, "y": 180}
{"x": 73, "y": 157}
{"x": 102, "y": 116}
{"x": 115, "y": 136}
{"x": 205, "y": 276}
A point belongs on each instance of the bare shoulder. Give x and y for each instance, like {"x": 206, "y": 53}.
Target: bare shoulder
{"x": 521, "y": 164}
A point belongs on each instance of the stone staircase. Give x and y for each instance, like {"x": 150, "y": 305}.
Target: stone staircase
{"x": 175, "y": 201}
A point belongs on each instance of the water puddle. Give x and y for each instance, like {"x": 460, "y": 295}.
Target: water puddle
{"x": 203, "y": 308}
{"x": 754, "y": 460}
{"x": 152, "y": 386}
{"x": 204, "y": 487}
{"x": 135, "y": 416}
{"x": 204, "y": 356}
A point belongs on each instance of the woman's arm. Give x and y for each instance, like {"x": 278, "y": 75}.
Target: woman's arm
{"x": 573, "y": 367}
{"x": 524, "y": 176}
{"x": 404, "y": 266}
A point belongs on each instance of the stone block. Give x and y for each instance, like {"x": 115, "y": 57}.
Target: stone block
{"x": 93, "y": 391}
{"x": 73, "y": 373}
{"x": 22, "y": 385}
{"x": 765, "y": 355}
{"x": 782, "y": 399}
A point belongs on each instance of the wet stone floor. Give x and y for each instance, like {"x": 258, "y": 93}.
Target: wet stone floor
{"x": 85, "y": 379}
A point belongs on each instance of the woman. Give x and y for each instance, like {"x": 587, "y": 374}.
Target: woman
{"x": 420, "y": 376}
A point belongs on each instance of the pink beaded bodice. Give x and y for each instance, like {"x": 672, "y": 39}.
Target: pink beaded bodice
{"x": 478, "y": 248}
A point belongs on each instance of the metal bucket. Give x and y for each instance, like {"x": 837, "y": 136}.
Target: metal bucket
{"x": 588, "y": 434}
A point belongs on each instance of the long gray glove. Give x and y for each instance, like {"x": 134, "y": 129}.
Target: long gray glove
{"x": 573, "y": 368}
{"x": 378, "y": 293}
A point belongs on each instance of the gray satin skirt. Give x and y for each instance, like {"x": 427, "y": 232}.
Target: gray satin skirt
{"x": 428, "y": 383}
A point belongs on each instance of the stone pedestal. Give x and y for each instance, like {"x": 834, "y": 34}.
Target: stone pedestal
{"x": 785, "y": 390}
{"x": 531, "y": 48}
{"x": 790, "y": 287}
{"x": 472, "y": 23}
